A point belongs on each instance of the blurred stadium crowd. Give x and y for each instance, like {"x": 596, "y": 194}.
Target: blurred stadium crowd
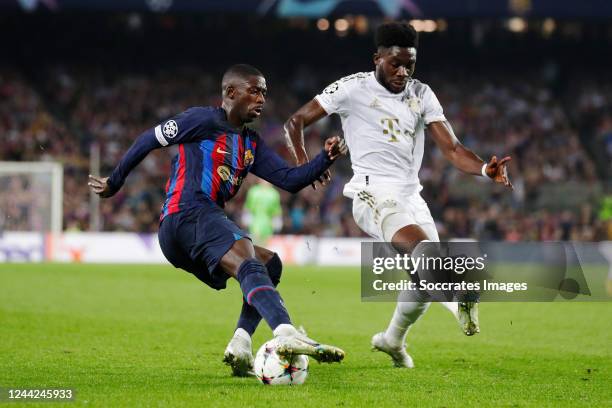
{"x": 495, "y": 116}
{"x": 559, "y": 137}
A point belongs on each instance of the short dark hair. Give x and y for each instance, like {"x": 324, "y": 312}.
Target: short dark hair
{"x": 396, "y": 33}
{"x": 242, "y": 70}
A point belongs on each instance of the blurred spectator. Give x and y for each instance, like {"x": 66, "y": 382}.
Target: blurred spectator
{"x": 514, "y": 114}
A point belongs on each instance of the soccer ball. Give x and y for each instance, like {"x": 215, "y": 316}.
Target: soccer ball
{"x": 272, "y": 369}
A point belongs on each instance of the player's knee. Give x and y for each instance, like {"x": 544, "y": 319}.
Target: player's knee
{"x": 275, "y": 269}
{"x": 407, "y": 238}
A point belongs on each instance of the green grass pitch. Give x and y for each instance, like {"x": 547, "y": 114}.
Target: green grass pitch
{"x": 127, "y": 335}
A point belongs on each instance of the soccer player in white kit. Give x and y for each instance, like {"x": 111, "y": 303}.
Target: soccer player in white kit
{"x": 384, "y": 115}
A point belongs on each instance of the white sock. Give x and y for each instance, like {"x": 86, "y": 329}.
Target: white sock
{"x": 284, "y": 330}
{"x": 404, "y": 316}
{"x": 242, "y": 334}
{"x": 426, "y": 247}
{"x": 410, "y": 306}
{"x": 453, "y": 307}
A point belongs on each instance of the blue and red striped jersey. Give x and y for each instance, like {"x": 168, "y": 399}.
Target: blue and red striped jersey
{"x": 213, "y": 159}
{"x": 213, "y": 167}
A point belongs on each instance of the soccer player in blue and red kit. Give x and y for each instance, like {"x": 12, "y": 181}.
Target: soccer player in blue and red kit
{"x": 216, "y": 151}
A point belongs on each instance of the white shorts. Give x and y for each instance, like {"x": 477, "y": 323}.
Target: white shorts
{"x": 383, "y": 209}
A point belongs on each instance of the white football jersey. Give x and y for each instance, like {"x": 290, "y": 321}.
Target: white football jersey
{"x": 384, "y": 131}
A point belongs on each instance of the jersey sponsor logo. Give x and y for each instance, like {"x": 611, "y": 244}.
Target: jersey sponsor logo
{"x": 221, "y": 151}
{"x": 170, "y": 129}
{"x": 223, "y": 172}
{"x": 248, "y": 157}
{"x": 226, "y": 175}
{"x": 391, "y": 128}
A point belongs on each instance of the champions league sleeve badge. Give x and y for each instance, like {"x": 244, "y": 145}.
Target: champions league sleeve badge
{"x": 170, "y": 129}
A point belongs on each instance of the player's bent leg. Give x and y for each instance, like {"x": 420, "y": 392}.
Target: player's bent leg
{"x": 295, "y": 341}
{"x": 292, "y": 341}
{"x": 249, "y": 316}
{"x": 410, "y": 307}
{"x": 260, "y": 293}
{"x": 238, "y": 353}
{"x": 466, "y": 312}
{"x": 453, "y": 307}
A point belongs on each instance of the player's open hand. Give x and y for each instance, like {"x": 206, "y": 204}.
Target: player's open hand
{"x": 100, "y": 186}
{"x": 498, "y": 170}
{"x": 335, "y": 146}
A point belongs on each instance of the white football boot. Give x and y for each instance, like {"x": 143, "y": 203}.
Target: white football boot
{"x": 239, "y": 355}
{"x": 468, "y": 318}
{"x": 292, "y": 341}
{"x": 401, "y": 359}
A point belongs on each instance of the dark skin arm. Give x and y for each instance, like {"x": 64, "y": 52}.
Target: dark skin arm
{"x": 463, "y": 158}
{"x": 441, "y": 132}
{"x": 294, "y": 132}
{"x": 333, "y": 145}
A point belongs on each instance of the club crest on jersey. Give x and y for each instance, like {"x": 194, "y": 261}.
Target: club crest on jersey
{"x": 414, "y": 104}
{"x": 170, "y": 129}
{"x": 248, "y": 157}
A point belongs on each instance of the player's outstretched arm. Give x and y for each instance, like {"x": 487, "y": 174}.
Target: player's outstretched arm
{"x": 466, "y": 160}
{"x": 186, "y": 127}
{"x": 271, "y": 167}
{"x": 294, "y": 133}
{"x": 108, "y": 186}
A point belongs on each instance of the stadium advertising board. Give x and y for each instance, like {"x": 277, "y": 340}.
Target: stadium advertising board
{"x": 83, "y": 247}
{"x": 22, "y": 247}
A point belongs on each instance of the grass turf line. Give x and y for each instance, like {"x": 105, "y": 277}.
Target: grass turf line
{"x": 136, "y": 335}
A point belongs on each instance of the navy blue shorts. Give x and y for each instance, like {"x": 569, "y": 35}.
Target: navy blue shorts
{"x": 196, "y": 239}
